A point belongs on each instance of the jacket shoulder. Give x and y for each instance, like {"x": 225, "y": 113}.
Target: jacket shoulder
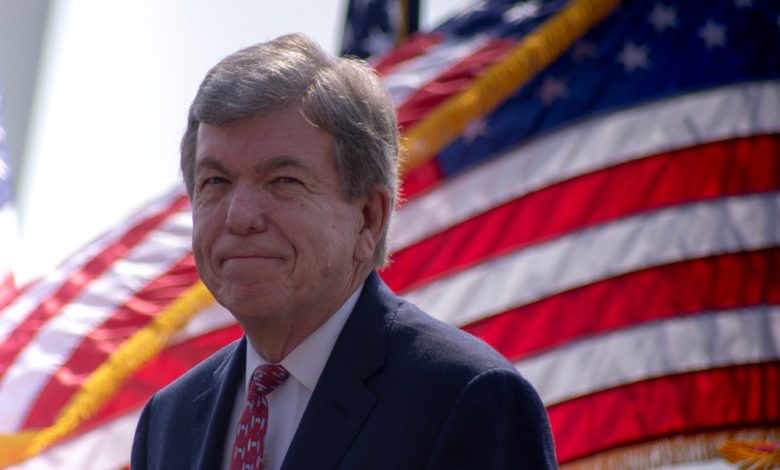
{"x": 441, "y": 344}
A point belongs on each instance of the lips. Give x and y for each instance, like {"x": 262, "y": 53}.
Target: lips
{"x": 222, "y": 255}
{"x": 247, "y": 258}
{"x": 250, "y": 256}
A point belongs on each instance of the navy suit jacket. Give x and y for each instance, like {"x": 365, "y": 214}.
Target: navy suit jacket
{"x": 400, "y": 390}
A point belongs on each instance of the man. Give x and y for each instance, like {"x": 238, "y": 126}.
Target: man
{"x": 290, "y": 159}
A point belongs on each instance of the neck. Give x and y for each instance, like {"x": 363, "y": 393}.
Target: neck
{"x": 275, "y": 338}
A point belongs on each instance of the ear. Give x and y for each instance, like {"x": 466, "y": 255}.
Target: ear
{"x": 376, "y": 216}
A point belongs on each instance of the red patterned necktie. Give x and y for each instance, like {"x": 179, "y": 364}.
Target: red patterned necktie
{"x": 249, "y": 446}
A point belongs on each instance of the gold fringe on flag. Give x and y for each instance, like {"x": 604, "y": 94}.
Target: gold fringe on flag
{"x": 671, "y": 450}
{"x": 106, "y": 380}
{"x": 535, "y": 52}
{"x": 753, "y": 455}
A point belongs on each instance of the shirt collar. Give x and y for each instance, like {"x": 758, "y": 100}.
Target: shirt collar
{"x": 307, "y": 361}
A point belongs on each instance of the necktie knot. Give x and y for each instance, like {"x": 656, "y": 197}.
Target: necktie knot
{"x": 266, "y": 378}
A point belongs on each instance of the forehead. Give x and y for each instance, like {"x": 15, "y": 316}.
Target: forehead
{"x": 282, "y": 133}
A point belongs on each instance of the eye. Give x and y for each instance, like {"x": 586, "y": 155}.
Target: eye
{"x": 287, "y": 180}
{"x": 208, "y": 185}
{"x": 213, "y": 181}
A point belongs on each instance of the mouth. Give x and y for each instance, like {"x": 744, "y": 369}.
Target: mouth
{"x": 240, "y": 258}
{"x": 250, "y": 269}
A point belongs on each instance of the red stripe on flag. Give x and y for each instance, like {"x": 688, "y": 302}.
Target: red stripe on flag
{"x": 423, "y": 178}
{"x": 724, "y": 168}
{"x": 709, "y": 400}
{"x": 163, "y": 369}
{"x": 96, "y": 347}
{"x": 81, "y": 278}
{"x": 714, "y": 283}
{"x": 417, "y": 45}
{"x": 457, "y": 78}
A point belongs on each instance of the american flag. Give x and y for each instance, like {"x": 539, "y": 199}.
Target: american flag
{"x": 592, "y": 187}
{"x": 373, "y": 27}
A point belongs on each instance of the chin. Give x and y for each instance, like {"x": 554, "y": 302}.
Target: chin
{"x": 248, "y": 301}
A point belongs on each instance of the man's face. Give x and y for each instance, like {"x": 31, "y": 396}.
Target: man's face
{"x": 273, "y": 238}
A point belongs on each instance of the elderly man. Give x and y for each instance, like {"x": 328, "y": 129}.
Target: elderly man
{"x": 290, "y": 159}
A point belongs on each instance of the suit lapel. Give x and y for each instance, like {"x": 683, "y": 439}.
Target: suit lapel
{"x": 334, "y": 416}
{"x": 211, "y": 410}
{"x": 341, "y": 402}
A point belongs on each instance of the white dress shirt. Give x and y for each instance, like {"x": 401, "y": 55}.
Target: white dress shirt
{"x": 288, "y": 401}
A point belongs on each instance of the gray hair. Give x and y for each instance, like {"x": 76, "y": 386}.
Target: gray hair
{"x": 342, "y": 96}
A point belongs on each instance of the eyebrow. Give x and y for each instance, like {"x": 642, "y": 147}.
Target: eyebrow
{"x": 274, "y": 163}
{"x": 281, "y": 161}
{"x": 212, "y": 163}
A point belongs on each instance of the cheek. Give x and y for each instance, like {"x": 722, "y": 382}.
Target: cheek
{"x": 205, "y": 217}
{"x": 198, "y": 250}
{"x": 204, "y": 231}
{"x": 315, "y": 246}
{"x": 197, "y": 235}
{"x": 336, "y": 240}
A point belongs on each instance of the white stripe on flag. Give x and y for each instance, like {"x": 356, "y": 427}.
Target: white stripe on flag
{"x": 15, "y": 314}
{"x": 675, "y": 123}
{"x": 622, "y": 246}
{"x": 656, "y": 349}
{"x": 55, "y": 342}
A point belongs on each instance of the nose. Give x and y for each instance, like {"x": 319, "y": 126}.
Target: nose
{"x": 245, "y": 214}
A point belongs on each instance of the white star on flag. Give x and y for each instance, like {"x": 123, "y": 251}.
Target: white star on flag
{"x": 475, "y": 128}
{"x": 713, "y": 34}
{"x": 378, "y": 41}
{"x": 521, "y": 12}
{"x": 634, "y": 57}
{"x": 663, "y": 17}
{"x": 552, "y": 89}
